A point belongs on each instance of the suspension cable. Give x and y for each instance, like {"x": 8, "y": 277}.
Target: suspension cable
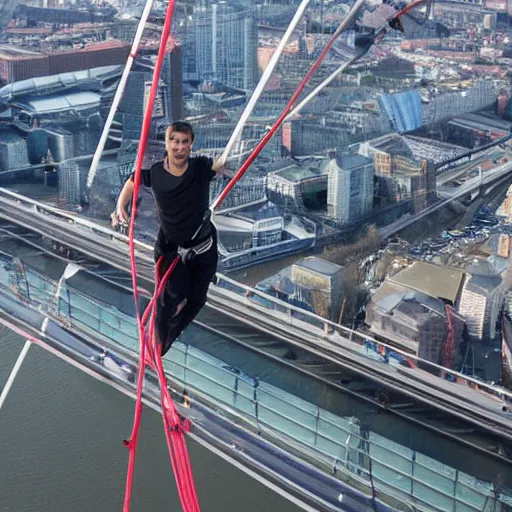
{"x": 119, "y": 94}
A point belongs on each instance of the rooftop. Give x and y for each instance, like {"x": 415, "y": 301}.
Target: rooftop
{"x": 482, "y": 121}
{"x": 417, "y": 148}
{"x": 319, "y": 265}
{"x": 67, "y": 128}
{"x": 491, "y": 266}
{"x": 442, "y": 282}
{"x": 300, "y": 171}
{"x": 259, "y": 211}
{"x": 58, "y": 102}
{"x": 102, "y": 45}
{"x": 14, "y": 53}
{"x": 393, "y": 144}
{"x": 433, "y": 150}
{"x": 7, "y": 135}
{"x": 59, "y": 82}
{"x": 483, "y": 285}
{"x": 349, "y": 162}
{"x": 390, "y": 295}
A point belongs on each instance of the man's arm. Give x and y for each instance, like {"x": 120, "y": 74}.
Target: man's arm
{"x": 120, "y": 215}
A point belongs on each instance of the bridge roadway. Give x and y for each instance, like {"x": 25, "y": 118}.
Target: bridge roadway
{"x": 248, "y": 322}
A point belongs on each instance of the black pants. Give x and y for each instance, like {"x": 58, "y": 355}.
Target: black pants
{"x": 189, "y": 281}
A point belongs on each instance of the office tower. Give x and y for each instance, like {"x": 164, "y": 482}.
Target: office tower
{"x": 13, "y": 150}
{"x": 221, "y": 45}
{"x": 72, "y": 177}
{"x": 169, "y": 99}
{"x": 350, "y": 188}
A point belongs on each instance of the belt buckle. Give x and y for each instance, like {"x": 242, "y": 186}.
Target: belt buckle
{"x": 184, "y": 254}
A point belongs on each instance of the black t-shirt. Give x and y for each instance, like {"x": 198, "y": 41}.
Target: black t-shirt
{"x": 181, "y": 201}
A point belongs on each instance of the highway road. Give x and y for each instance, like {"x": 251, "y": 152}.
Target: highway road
{"x": 466, "y": 188}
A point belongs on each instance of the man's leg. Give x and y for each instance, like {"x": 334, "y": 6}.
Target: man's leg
{"x": 171, "y": 300}
{"x": 201, "y": 271}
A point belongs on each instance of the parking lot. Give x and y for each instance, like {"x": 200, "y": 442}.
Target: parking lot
{"x": 452, "y": 247}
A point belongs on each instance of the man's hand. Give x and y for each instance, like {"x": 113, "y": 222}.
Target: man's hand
{"x": 119, "y": 216}
{"x": 219, "y": 166}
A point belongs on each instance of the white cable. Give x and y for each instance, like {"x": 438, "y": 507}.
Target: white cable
{"x": 119, "y": 93}
{"x": 263, "y": 81}
{"x": 344, "y": 25}
{"x": 319, "y": 88}
{"x": 14, "y": 372}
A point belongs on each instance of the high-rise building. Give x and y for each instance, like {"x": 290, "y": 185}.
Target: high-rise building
{"x": 72, "y": 178}
{"x": 481, "y": 301}
{"x": 221, "y": 44}
{"x": 172, "y": 86}
{"x": 169, "y": 99}
{"x": 404, "y": 174}
{"x": 350, "y": 188}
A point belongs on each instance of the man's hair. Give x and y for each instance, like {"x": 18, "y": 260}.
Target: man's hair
{"x": 180, "y": 127}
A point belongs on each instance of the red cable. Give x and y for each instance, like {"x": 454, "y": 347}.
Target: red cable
{"x": 257, "y": 150}
{"x": 178, "y": 453}
{"x": 172, "y": 421}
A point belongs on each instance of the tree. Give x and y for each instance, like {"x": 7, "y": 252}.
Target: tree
{"x": 321, "y": 304}
{"x": 346, "y": 253}
{"x": 354, "y": 296}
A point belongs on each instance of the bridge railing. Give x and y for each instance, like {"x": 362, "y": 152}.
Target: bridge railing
{"x": 340, "y": 445}
{"x": 45, "y": 209}
{"x": 346, "y": 338}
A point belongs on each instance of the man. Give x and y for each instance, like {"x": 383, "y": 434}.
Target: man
{"x": 180, "y": 186}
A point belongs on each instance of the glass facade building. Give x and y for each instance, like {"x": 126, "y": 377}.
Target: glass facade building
{"x": 221, "y": 45}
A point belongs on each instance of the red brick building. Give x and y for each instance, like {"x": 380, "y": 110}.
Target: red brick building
{"x": 107, "y": 53}
{"x": 18, "y": 64}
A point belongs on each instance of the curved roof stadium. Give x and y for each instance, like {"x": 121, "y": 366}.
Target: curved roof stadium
{"x": 58, "y": 103}
{"x": 58, "y": 83}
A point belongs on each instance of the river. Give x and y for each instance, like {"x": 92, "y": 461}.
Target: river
{"x": 61, "y": 448}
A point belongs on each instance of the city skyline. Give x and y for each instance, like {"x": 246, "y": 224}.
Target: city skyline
{"x": 374, "y": 148}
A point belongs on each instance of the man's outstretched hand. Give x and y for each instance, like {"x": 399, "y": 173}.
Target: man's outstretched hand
{"x": 118, "y": 217}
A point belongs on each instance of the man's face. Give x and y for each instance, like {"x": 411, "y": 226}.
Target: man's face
{"x": 178, "y": 146}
